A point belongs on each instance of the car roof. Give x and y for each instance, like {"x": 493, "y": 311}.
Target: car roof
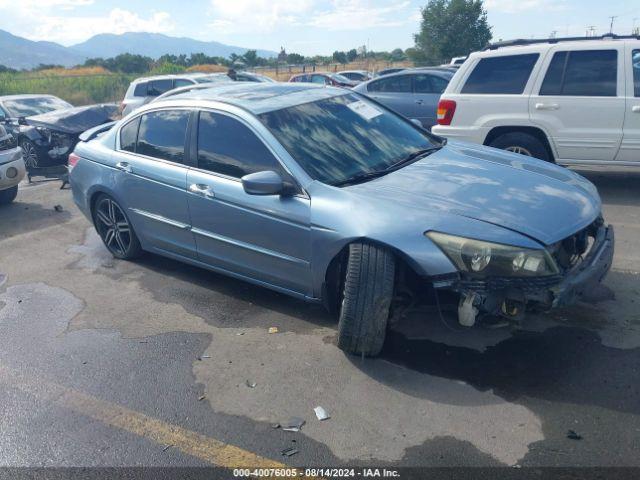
{"x": 364, "y": 72}
{"x": 259, "y": 98}
{"x": 27, "y": 95}
{"x": 169, "y": 76}
{"x": 511, "y": 47}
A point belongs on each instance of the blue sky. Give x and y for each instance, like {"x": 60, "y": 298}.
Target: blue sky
{"x": 304, "y": 26}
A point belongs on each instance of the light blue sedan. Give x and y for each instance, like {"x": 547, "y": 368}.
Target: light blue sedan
{"x": 325, "y": 195}
{"x": 414, "y": 93}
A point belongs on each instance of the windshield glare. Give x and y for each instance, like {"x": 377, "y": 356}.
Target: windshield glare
{"x": 26, "y": 107}
{"x": 342, "y": 137}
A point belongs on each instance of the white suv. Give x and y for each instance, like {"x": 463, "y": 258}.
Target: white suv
{"x": 572, "y": 101}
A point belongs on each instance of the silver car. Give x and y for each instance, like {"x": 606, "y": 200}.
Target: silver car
{"x": 322, "y": 194}
{"x": 412, "y": 93}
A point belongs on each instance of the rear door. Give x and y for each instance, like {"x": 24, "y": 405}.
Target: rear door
{"x": 152, "y": 180}
{"x": 396, "y": 92}
{"x": 265, "y": 238}
{"x": 630, "y": 146}
{"x": 580, "y": 101}
{"x": 426, "y": 94}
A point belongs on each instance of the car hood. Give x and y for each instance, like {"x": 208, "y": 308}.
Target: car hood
{"x": 535, "y": 198}
{"x": 74, "y": 120}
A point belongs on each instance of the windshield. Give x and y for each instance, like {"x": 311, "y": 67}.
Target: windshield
{"x": 26, "y": 107}
{"x": 343, "y": 137}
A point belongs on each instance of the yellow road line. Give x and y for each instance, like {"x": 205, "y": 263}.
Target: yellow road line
{"x": 200, "y": 446}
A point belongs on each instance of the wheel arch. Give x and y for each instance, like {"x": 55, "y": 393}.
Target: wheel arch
{"x": 536, "y": 132}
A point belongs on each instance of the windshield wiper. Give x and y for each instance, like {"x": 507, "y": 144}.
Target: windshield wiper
{"x": 412, "y": 157}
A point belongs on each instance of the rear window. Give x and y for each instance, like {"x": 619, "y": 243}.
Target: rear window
{"x": 129, "y": 135}
{"x": 158, "y": 87}
{"x": 140, "y": 90}
{"x": 587, "y": 73}
{"x": 162, "y": 134}
{"x": 396, "y": 84}
{"x": 501, "y": 75}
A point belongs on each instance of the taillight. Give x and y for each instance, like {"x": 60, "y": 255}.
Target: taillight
{"x": 446, "y": 109}
{"x": 73, "y": 160}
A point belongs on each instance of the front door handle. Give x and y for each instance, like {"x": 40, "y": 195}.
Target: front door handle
{"x": 547, "y": 106}
{"x": 635, "y": 109}
{"x": 124, "y": 166}
{"x": 201, "y": 189}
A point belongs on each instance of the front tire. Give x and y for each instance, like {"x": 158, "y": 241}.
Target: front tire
{"x": 522, "y": 143}
{"x": 30, "y": 155}
{"x": 115, "y": 229}
{"x": 368, "y": 291}
{"x": 8, "y": 195}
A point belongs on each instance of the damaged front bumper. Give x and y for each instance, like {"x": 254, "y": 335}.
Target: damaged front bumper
{"x": 512, "y": 296}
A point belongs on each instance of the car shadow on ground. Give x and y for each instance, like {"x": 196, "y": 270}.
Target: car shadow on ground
{"x": 22, "y": 217}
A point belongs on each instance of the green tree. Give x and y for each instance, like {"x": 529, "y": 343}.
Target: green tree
{"x": 397, "y": 55}
{"x": 340, "y": 57}
{"x": 250, "y": 58}
{"x": 295, "y": 58}
{"x": 452, "y": 28}
{"x": 352, "y": 55}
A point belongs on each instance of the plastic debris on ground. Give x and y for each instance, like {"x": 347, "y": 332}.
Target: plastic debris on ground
{"x": 58, "y": 208}
{"x": 273, "y": 329}
{"x": 250, "y": 384}
{"x": 573, "y": 435}
{"x": 321, "y": 413}
{"x": 201, "y": 397}
{"x": 294, "y": 424}
{"x": 287, "y": 452}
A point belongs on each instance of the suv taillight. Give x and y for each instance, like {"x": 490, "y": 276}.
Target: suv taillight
{"x": 446, "y": 109}
{"x": 73, "y": 160}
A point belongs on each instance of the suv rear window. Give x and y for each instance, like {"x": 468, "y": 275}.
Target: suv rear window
{"x": 140, "y": 90}
{"x": 501, "y": 75}
{"x": 587, "y": 73}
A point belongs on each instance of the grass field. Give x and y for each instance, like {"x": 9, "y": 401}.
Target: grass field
{"x": 82, "y": 86}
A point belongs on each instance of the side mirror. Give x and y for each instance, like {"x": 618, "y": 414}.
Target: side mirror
{"x": 417, "y": 122}
{"x": 263, "y": 183}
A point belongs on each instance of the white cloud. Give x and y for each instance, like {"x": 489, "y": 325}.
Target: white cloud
{"x": 516, "y": 6}
{"x": 69, "y": 30}
{"x": 256, "y": 16}
{"x": 359, "y": 15}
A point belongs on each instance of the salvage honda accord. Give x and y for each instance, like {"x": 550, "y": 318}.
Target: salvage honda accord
{"x": 327, "y": 196}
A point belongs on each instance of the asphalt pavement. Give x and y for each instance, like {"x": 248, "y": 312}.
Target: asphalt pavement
{"x": 155, "y": 363}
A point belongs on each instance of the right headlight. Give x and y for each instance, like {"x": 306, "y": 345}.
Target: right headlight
{"x": 479, "y": 258}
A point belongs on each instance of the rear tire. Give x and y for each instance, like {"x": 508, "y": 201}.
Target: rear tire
{"x": 368, "y": 291}
{"x": 115, "y": 229}
{"x": 522, "y": 143}
{"x": 9, "y": 195}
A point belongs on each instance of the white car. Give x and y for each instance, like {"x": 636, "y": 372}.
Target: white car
{"x": 12, "y": 169}
{"x": 572, "y": 101}
{"x": 142, "y": 90}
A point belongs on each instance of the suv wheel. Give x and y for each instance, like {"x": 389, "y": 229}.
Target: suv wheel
{"x": 368, "y": 290}
{"x": 8, "y": 195}
{"x": 522, "y": 143}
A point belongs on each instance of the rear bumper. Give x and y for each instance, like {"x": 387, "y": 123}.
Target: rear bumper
{"x": 464, "y": 134}
{"x": 12, "y": 169}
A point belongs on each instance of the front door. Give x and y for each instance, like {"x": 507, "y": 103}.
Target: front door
{"x": 395, "y": 92}
{"x": 265, "y": 238}
{"x": 580, "y": 102}
{"x": 153, "y": 180}
{"x": 426, "y": 95}
{"x": 630, "y": 146}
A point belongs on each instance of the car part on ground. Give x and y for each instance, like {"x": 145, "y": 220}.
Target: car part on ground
{"x": 327, "y": 196}
{"x": 12, "y": 169}
{"x": 571, "y": 101}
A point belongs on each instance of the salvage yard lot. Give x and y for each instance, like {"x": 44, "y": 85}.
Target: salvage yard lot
{"x": 105, "y": 362}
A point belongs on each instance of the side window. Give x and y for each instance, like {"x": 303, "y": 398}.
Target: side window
{"x": 396, "y": 84}
{"x": 158, "y": 87}
{"x": 635, "y": 62}
{"x": 228, "y": 147}
{"x": 140, "y": 90}
{"x": 129, "y": 135}
{"x": 439, "y": 84}
{"x": 318, "y": 79}
{"x": 587, "y": 73}
{"x": 422, "y": 84}
{"x": 161, "y": 134}
{"x": 501, "y": 75}
{"x": 182, "y": 82}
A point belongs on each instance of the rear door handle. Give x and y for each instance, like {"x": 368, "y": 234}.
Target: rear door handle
{"x": 124, "y": 166}
{"x": 635, "y": 109}
{"x": 547, "y": 106}
{"x": 420, "y": 102}
{"x": 201, "y": 189}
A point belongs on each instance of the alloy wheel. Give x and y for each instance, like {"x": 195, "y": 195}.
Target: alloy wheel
{"x": 29, "y": 155}
{"x": 520, "y": 150}
{"x": 113, "y": 227}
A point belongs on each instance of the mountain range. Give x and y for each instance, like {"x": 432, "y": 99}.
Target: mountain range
{"x": 21, "y": 53}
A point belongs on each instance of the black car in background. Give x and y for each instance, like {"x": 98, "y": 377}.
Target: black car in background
{"x": 47, "y": 127}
